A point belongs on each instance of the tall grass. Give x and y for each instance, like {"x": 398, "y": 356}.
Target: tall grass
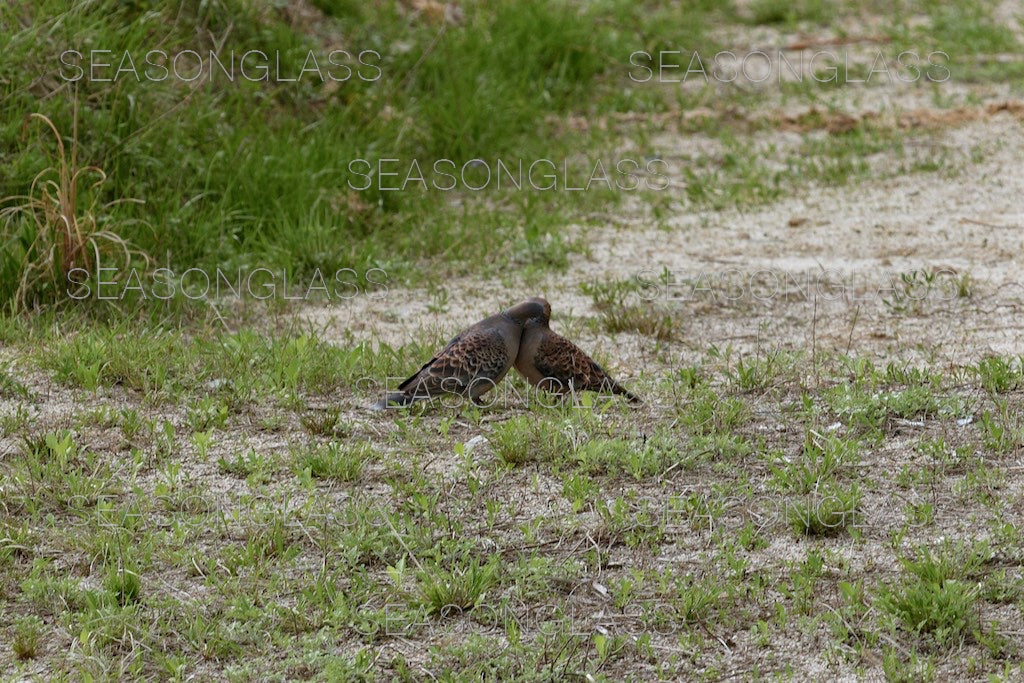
{"x": 247, "y": 174}
{"x": 55, "y": 229}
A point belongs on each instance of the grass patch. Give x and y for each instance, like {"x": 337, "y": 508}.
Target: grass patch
{"x": 622, "y": 308}
{"x": 28, "y": 632}
{"x": 934, "y": 599}
{"x": 338, "y": 461}
{"x": 523, "y": 440}
{"x": 450, "y": 592}
{"x": 828, "y": 511}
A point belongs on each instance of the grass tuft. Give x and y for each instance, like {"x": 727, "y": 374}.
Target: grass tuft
{"x": 51, "y": 237}
{"x": 934, "y": 599}
{"x": 450, "y": 592}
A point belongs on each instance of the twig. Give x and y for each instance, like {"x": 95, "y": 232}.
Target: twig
{"x": 399, "y": 538}
{"x": 853, "y": 326}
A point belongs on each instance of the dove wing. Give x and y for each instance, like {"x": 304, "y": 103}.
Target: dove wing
{"x": 572, "y": 369}
{"x": 475, "y": 356}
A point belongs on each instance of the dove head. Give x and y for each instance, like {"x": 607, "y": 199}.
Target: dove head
{"x": 532, "y": 310}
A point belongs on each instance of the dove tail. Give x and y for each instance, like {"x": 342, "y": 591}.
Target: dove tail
{"x": 631, "y": 397}
{"x": 622, "y": 391}
{"x": 394, "y": 400}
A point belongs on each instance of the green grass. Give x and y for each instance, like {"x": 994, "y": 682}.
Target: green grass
{"x": 28, "y": 632}
{"x": 829, "y": 511}
{"x": 188, "y": 170}
{"x": 327, "y": 527}
{"x": 779, "y": 12}
{"x": 1000, "y": 375}
{"x": 194, "y": 489}
{"x": 220, "y": 371}
{"x": 934, "y": 599}
{"x": 523, "y": 440}
{"x": 450, "y": 592}
{"x": 334, "y": 461}
{"x": 622, "y": 307}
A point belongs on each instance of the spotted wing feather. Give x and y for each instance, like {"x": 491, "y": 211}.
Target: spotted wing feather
{"x": 419, "y": 373}
{"x": 473, "y": 361}
{"x": 567, "y": 368}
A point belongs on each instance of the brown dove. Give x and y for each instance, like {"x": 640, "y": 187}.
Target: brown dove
{"x": 473, "y": 362}
{"x": 550, "y": 361}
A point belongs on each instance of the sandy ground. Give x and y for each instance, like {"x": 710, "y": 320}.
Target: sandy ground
{"x": 819, "y": 269}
